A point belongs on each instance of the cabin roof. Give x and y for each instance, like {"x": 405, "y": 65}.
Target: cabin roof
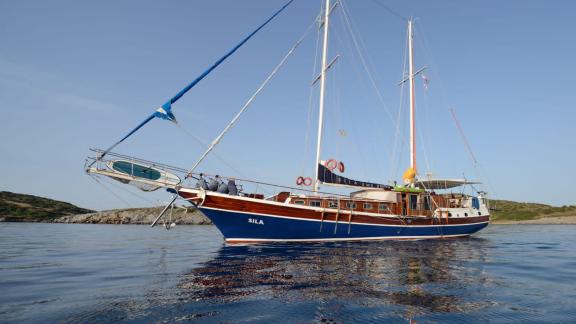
{"x": 435, "y": 184}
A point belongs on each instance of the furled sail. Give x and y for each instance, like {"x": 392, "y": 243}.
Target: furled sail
{"x": 329, "y": 177}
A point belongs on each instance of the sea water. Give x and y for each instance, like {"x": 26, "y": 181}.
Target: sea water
{"x": 108, "y": 273}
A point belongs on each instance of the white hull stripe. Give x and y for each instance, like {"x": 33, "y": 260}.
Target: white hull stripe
{"x": 339, "y": 222}
{"x": 377, "y": 238}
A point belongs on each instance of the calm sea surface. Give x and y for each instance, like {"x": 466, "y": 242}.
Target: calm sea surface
{"x": 104, "y": 273}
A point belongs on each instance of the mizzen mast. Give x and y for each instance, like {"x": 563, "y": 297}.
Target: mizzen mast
{"x": 322, "y": 90}
{"x": 410, "y": 174}
{"x": 412, "y": 97}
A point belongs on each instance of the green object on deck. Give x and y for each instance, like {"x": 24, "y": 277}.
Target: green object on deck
{"x": 408, "y": 189}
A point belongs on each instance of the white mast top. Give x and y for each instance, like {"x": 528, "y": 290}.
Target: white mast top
{"x": 322, "y": 86}
{"x": 412, "y": 98}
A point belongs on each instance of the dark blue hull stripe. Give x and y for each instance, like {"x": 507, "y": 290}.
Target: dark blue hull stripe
{"x": 243, "y": 226}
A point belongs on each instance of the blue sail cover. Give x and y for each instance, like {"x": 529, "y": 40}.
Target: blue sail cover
{"x": 327, "y": 176}
{"x": 165, "y": 111}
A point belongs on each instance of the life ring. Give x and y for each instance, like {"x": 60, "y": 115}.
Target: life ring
{"x": 341, "y": 167}
{"x": 299, "y": 181}
{"x": 307, "y": 181}
{"x": 331, "y": 164}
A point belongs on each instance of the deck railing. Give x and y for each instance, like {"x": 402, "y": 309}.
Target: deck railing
{"x": 264, "y": 190}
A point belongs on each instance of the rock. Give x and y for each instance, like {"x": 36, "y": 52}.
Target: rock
{"x": 137, "y": 216}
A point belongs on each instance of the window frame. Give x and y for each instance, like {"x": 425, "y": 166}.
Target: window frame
{"x": 311, "y": 202}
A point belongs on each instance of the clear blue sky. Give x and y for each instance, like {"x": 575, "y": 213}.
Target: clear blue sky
{"x": 79, "y": 74}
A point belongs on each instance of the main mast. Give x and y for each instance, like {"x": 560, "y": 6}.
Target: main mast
{"x": 412, "y": 98}
{"x": 322, "y": 89}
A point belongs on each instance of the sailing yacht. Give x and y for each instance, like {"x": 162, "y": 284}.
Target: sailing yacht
{"x": 372, "y": 211}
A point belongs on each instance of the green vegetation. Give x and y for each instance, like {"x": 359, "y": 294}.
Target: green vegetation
{"x": 505, "y": 210}
{"x": 27, "y": 208}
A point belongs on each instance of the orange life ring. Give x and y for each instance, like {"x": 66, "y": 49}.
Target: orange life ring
{"x": 341, "y": 167}
{"x": 299, "y": 181}
{"x": 331, "y": 164}
{"x": 307, "y": 181}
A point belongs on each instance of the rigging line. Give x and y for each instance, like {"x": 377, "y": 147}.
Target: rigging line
{"x": 110, "y": 191}
{"x": 434, "y": 67}
{"x": 394, "y": 13}
{"x": 336, "y": 99}
{"x": 424, "y": 150}
{"x": 164, "y": 111}
{"x": 363, "y": 60}
{"x": 183, "y": 91}
{"x": 468, "y": 148}
{"x": 347, "y": 42}
{"x": 423, "y": 139}
{"x": 394, "y": 166}
{"x": 347, "y": 19}
{"x": 249, "y": 102}
{"x": 205, "y": 146}
{"x": 122, "y": 188}
{"x": 307, "y": 143}
{"x": 352, "y": 140}
{"x": 480, "y": 173}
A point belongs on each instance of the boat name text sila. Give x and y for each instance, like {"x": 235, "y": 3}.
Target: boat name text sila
{"x": 255, "y": 221}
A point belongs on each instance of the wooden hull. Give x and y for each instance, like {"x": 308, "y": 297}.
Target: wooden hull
{"x": 242, "y": 219}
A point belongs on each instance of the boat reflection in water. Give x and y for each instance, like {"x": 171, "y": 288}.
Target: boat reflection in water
{"x": 339, "y": 281}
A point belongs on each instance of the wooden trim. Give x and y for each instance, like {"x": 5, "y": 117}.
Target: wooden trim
{"x": 236, "y": 203}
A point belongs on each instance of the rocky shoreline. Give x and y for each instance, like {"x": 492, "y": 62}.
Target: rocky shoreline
{"x": 137, "y": 216}
{"x": 559, "y": 220}
{"x": 146, "y": 216}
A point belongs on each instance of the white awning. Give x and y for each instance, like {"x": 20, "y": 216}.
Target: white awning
{"x": 443, "y": 183}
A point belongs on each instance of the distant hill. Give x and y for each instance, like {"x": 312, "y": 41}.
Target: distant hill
{"x": 27, "y": 208}
{"x": 505, "y": 210}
